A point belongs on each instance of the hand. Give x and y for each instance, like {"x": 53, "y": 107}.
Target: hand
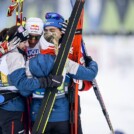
{"x": 3, "y": 48}
{"x": 51, "y": 81}
{"x": 48, "y": 36}
{"x": 64, "y": 26}
{"x": 88, "y": 59}
{"x": 51, "y": 37}
{"x": 14, "y": 43}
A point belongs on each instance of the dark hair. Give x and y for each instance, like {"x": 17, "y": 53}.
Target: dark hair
{"x": 3, "y": 34}
{"x": 10, "y": 33}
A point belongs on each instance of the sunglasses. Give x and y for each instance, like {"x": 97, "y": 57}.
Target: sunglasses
{"x": 52, "y": 15}
{"x": 32, "y": 37}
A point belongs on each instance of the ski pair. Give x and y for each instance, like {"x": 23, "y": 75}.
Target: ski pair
{"x": 74, "y": 103}
{"x": 77, "y": 45}
{"x": 50, "y": 94}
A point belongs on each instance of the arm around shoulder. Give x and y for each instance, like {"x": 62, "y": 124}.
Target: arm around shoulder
{"x": 17, "y": 74}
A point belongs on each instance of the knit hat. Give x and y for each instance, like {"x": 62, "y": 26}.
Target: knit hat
{"x": 119, "y": 132}
{"x": 34, "y": 26}
{"x": 53, "y": 19}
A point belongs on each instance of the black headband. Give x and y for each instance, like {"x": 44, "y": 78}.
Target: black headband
{"x": 21, "y": 34}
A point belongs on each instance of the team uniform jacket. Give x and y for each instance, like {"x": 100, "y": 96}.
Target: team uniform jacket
{"x": 41, "y": 66}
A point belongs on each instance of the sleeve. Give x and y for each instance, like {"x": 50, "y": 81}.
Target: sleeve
{"x": 25, "y": 85}
{"x": 15, "y": 61}
{"x": 86, "y": 85}
{"x": 17, "y": 75}
{"x": 80, "y": 72}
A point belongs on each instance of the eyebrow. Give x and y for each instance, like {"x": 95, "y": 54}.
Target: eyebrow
{"x": 50, "y": 29}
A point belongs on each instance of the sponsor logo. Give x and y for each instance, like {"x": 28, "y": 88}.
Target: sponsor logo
{"x": 34, "y": 27}
{"x": 33, "y": 52}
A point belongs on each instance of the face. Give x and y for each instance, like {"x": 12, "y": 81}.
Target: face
{"x": 23, "y": 45}
{"x": 33, "y": 40}
{"x": 48, "y": 31}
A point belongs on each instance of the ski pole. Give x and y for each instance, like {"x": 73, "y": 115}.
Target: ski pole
{"x": 17, "y": 14}
{"x": 99, "y": 96}
{"x": 21, "y": 11}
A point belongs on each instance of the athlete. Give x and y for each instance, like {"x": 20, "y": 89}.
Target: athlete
{"x": 59, "y": 119}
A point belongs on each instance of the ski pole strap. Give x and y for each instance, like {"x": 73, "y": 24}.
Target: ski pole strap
{"x": 78, "y": 32}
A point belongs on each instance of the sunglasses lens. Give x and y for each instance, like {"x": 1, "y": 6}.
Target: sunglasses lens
{"x": 31, "y": 37}
{"x": 54, "y": 16}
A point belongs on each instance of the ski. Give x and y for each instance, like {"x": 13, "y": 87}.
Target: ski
{"x": 50, "y": 95}
{"x": 76, "y": 57}
{"x": 21, "y": 11}
{"x": 74, "y": 98}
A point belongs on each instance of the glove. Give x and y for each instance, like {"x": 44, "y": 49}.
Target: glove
{"x": 51, "y": 81}
{"x": 64, "y": 26}
{"x": 3, "y": 48}
{"x": 88, "y": 59}
{"x": 14, "y": 43}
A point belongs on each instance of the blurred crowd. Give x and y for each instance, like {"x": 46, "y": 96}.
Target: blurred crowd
{"x": 101, "y": 16}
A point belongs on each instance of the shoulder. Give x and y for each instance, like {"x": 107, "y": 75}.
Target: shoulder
{"x": 15, "y": 61}
{"x": 42, "y": 63}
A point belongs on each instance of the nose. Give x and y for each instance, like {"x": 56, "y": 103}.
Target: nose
{"x": 27, "y": 44}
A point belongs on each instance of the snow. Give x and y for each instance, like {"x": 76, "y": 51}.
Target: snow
{"x": 115, "y": 79}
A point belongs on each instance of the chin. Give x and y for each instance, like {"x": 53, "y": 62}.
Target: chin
{"x": 32, "y": 45}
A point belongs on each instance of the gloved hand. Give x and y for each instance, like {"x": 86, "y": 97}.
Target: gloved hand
{"x": 14, "y": 43}
{"x": 88, "y": 59}
{"x": 51, "y": 81}
{"x": 8, "y": 46}
{"x": 3, "y": 48}
{"x": 64, "y": 26}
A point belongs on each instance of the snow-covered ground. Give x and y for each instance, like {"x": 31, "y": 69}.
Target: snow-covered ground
{"x": 115, "y": 56}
